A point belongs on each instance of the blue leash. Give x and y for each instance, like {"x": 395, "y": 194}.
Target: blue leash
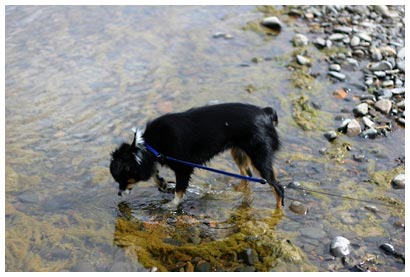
{"x": 160, "y": 156}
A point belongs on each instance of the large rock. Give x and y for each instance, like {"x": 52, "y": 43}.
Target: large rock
{"x": 383, "y": 105}
{"x": 272, "y": 23}
{"x": 353, "y": 128}
{"x": 339, "y": 247}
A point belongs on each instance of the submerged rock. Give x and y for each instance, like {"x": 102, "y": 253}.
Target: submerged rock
{"x": 399, "y": 182}
{"x": 298, "y": 208}
{"x": 300, "y": 40}
{"x": 339, "y": 247}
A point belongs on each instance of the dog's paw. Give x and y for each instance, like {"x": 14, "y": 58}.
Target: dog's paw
{"x": 171, "y": 206}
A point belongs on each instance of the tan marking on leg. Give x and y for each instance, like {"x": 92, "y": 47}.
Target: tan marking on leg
{"x": 244, "y": 164}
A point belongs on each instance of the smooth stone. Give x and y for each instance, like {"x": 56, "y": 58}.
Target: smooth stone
{"x": 398, "y": 182}
{"x": 335, "y": 67}
{"x": 355, "y": 41}
{"x": 376, "y": 54}
{"x": 361, "y": 109}
{"x": 402, "y": 121}
{"x": 401, "y": 65}
{"x": 353, "y": 128}
{"x": 320, "y": 43}
{"x": 388, "y": 248}
{"x": 383, "y": 94}
{"x": 298, "y": 208}
{"x": 388, "y": 83}
{"x": 330, "y": 135}
{"x": 401, "y": 54}
{"x": 364, "y": 36}
{"x": 300, "y": 40}
{"x": 397, "y": 91}
{"x": 388, "y": 51}
{"x": 203, "y": 266}
{"x": 337, "y": 75}
{"x": 339, "y": 247}
{"x": 272, "y": 22}
{"x": 383, "y": 105}
{"x": 353, "y": 62}
{"x": 359, "y": 157}
{"x": 343, "y": 126}
{"x": 380, "y": 74}
{"x": 303, "y": 60}
{"x": 336, "y": 36}
{"x": 369, "y": 133}
{"x": 380, "y": 66}
{"x": 368, "y": 122}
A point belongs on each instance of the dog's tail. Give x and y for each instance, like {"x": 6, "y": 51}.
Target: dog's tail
{"x": 272, "y": 115}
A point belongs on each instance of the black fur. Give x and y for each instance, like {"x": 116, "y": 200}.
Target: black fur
{"x": 197, "y": 135}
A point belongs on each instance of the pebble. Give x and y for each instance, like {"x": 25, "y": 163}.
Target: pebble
{"x": 380, "y": 66}
{"x": 303, "y": 60}
{"x": 250, "y": 257}
{"x": 383, "y": 105}
{"x": 388, "y": 51}
{"x": 388, "y": 248}
{"x": 369, "y": 133}
{"x": 361, "y": 109}
{"x": 298, "y": 208}
{"x": 339, "y": 247}
{"x": 272, "y": 23}
{"x": 353, "y": 128}
{"x": 364, "y": 36}
{"x": 359, "y": 157}
{"x": 388, "y": 83}
{"x": 335, "y": 67}
{"x": 320, "y": 43}
{"x": 368, "y": 122}
{"x": 355, "y": 41}
{"x": 401, "y": 65}
{"x": 330, "y": 135}
{"x": 336, "y": 37}
{"x": 401, "y": 54}
{"x": 397, "y": 91}
{"x": 398, "y": 182}
{"x": 203, "y": 266}
{"x": 337, "y": 75}
{"x": 300, "y": 40}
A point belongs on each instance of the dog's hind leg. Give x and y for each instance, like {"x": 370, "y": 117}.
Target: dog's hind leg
{"x": 243, "y": 162}
{"x": 262, "y": 162}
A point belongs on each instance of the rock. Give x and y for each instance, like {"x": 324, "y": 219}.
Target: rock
{"x": 330, "y": 135}
{"x": 298, "y": 208}
{"x": 189, "y": 267}
{"x": 376, "y": 54}
{"x": 380, "y": 66}
{"x": 383, "y": 94}
{"x": 340, "y": 93}
{"x": 355, "y": 41}
{"x": 388, "y": 248}
{"x": 398, "y": 182}
{"x": 353, "y": 63}
{"x": 397, "y": 91}
{"x": 320, "y": 43}
{"x": 388, "y": 83}
{"x": 343, "y": 126}
{"x": 300, "y": 40}
{"x": 353, "y": 128}
{"x": 364, "y": 36}
{"x": 336, "y": 36}
{"x": 303, "y": 60}
{"x": 369, "y": 133}
{"x": 368, "y": 122}
{"x": 359, "y": 157}
{"x": 335, "y": 67}
{"x": 401, "y": 65}
{"x": 383, "y": 105}
{"x": 388, "y": 51}
{"x": 203, "y": 266}
{"x": 339, "y": 247}
{"x": 361, "y": 109}
{"x": 380, "y": 74}
{"x": 272, "y": 23}
{"x": 249, "y": 256}
{"x": 337, "y": 75}
{"x": 401, "y": 54}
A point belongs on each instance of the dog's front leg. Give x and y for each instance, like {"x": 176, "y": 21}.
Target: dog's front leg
{"x": 182, "y": 179}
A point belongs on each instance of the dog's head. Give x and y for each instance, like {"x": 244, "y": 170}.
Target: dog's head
{"x": 130, "y": 164}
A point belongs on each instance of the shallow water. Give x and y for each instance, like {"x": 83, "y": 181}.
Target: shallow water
{"x": 79, "y": 78}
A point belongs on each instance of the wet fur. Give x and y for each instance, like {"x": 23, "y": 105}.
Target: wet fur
{"x": 197, "y": 135}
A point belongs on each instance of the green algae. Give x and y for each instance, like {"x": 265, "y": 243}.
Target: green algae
{"x": 150, "y": 242}
{"x": 304, "y": 114}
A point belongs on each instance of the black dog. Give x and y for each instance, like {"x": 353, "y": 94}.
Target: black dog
{"x": 197, "y": 135}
